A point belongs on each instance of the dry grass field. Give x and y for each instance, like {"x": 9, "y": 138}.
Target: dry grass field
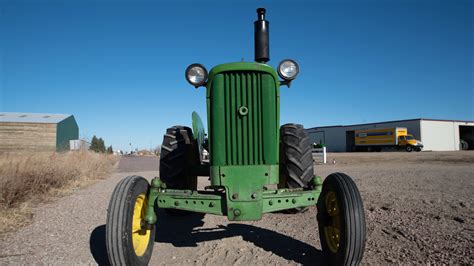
{"x": 27, "y": 179}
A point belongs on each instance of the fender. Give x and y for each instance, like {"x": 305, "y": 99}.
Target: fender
{"x": 199, "y": 131}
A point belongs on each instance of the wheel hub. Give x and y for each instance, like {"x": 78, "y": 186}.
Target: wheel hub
{"x": 140, "y": 236}
{"x": 333, "y": 230}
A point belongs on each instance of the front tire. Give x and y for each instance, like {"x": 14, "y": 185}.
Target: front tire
{"x": 128, "y": 242}
{"x": 409, "y": 148}
{"x": 341, "y": 221}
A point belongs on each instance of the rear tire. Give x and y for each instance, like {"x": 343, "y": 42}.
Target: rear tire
{"x": 296, "y": 159}
{"x": 341, "y": 221}
{"x": 126, "y": 241}
{"x": 179, "y": 156}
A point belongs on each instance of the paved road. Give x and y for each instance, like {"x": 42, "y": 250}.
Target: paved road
{"x": 130, "y": 164}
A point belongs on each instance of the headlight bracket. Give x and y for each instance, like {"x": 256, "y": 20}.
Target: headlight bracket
{"x": 286, "y": 82}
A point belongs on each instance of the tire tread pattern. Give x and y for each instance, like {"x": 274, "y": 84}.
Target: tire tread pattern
{"x": 352, "y": 243}
{"x": 178, "y": 155}
{"x": 296, "y": 161}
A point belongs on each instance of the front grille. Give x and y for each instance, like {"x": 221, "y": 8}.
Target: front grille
{"x": 243, "y": 133}
{"x": 238, "y": 139}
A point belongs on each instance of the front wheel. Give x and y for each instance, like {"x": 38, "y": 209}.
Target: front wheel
{"x": 341, "y": 221}
{"x": 409, "y": 148}
{"x": 128, "y": 240}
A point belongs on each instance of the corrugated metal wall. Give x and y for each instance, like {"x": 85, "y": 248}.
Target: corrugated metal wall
{"x": 32, "y": 137}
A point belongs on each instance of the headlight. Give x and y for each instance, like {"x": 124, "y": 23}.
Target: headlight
{"x": 196, "y": 75}
{"x": 288, "y": 69}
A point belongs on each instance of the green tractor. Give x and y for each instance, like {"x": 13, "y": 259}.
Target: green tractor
{"x": 255, "y": 166}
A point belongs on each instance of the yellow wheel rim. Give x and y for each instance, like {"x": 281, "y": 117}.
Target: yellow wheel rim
{"x": 333, "y": 231}
{"x": 140, "y": 237}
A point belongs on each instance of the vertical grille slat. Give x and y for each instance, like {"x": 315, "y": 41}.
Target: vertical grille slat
{"x": 260, "y": 120}
{"x": 233, "y": 133}
{"x": 249, "y": 120}
{"x": 238, "y": 120}
{"x": 243, "y": 119}
{"x": 228, "y": 126}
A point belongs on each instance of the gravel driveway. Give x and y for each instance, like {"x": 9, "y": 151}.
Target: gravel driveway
{"x": 419, "y": 209}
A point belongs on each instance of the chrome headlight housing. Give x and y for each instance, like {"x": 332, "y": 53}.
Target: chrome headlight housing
{"x": 196, "y": 75}
{"x": 288, "y": 69}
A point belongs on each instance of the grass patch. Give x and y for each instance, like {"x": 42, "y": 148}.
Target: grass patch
{"x": 28, "y": 179}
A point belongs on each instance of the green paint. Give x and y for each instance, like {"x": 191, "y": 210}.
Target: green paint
{"x": 156, "y": 186}
{"x": 235, "y": 210}
{"x": 66, "y": 130}
{"x": 283, "y": 199}
{"x": 191, "y": 201}
{"x": 250, "y": 138}
{"x": 198, "y": 130}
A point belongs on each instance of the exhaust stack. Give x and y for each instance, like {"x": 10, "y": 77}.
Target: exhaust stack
{"x": 262, "y": 40}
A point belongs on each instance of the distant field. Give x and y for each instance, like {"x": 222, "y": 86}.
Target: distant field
{"x": 26, "y": 179}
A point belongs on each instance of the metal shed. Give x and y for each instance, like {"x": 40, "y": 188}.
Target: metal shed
{"x": 436, "y": 134}
{"x": 32, "y": 132}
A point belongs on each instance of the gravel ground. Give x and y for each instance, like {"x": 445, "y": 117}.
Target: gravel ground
{"x": 419, "y": 209}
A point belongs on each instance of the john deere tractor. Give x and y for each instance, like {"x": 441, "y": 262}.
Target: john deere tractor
{"x": 255, "y": 166}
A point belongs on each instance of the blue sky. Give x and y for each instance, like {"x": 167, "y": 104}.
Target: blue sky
{"x": 118, "y": 67}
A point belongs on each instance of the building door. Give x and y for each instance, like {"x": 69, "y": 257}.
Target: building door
{"x": 466, "y": 137}
{"x": 350, "y": 141}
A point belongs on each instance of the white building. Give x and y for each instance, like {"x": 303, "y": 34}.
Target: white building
{"x": 436, "y": 135}
{"x": 78, "y": 144}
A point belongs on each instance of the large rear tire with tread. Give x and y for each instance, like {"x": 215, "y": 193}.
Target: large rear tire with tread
{"x": 341, "y": 221}
{"x": 179, "y": 156}
{"x": 296, "y": 159}
{"x": 128, "y": 242}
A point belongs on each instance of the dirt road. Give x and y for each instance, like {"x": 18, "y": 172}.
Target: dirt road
{"x": 419, "y": 209}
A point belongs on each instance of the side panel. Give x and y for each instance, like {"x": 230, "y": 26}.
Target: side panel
{"x": 385, "y": 136}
